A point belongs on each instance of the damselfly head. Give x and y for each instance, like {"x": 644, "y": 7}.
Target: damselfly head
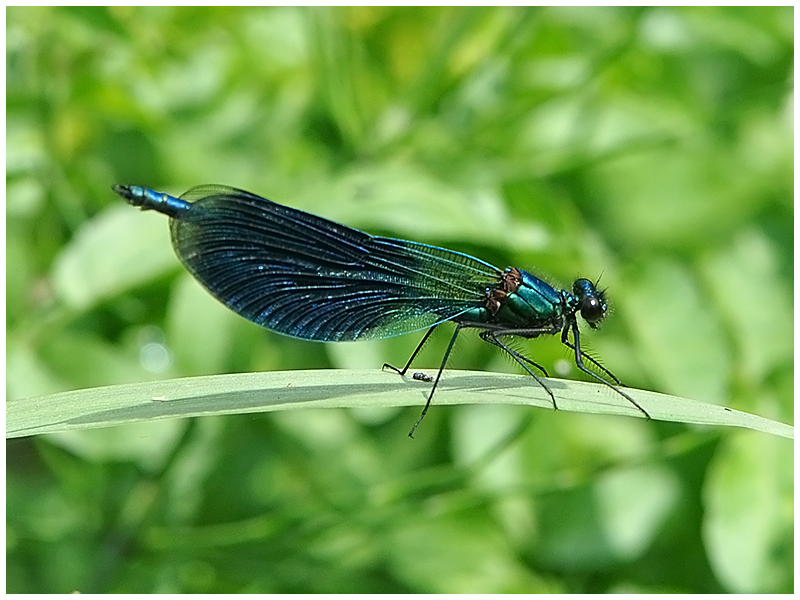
{"x": 591, "y": 301}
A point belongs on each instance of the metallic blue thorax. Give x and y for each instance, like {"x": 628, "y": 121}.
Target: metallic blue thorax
{"x": 521, "y": 301}
{"x": 534, "y": 304}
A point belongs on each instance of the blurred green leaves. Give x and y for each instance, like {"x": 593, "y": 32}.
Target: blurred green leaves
{"x": 749, "y": 514}
{"x": 653, "y": 146}
{"x": 86, "y": 272}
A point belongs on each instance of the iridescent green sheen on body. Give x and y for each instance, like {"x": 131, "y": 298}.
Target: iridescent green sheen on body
{"x": 304, "y": 276}
{"x": 534, "y": 304}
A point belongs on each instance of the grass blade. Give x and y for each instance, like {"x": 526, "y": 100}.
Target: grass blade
{"x": 286, "y": 390}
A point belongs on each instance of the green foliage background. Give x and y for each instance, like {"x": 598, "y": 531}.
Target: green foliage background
{"x": 652, "y": 146}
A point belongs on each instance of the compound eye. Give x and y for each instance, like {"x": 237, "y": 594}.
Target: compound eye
{"x": 593, "y": 310}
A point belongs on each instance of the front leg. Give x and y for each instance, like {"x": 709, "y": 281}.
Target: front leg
{"x": 580, "y": 354}
{"x": 578, "y": 361}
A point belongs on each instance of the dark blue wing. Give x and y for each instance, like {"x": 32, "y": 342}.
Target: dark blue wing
{"x": 311, "y": 278}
